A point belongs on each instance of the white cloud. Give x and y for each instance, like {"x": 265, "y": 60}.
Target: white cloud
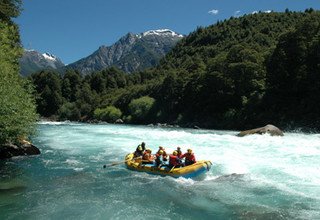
{"x": 236, "y": 13}
{"x": 213, "y": 12}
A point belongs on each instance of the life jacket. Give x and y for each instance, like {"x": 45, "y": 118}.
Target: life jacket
{"x": 190, "y": 158}
{"x": 147, "y": 157}
{"x": 174, "y": 160}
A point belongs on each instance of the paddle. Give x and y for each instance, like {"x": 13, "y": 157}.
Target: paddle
{"x": 172, "y": 169}
{"x": 117, "y": 163}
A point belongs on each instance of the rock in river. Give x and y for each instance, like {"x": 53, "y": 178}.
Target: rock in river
{"x": 12, "y": 150}
{"x": 270, "y": 129}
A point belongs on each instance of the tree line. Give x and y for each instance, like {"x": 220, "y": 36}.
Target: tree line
{"x": 238, "y": 73}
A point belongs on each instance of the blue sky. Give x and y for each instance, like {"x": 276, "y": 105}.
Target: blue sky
{"x": 73, "y": 29}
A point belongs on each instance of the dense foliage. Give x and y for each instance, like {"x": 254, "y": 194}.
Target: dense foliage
{"x": 17, "y": 108}
{"x": 238, "y": 73}
{"x": 110, "y": 113}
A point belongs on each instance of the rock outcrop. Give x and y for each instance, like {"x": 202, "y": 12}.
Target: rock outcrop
{"x": 270, "y": 129}
{"x": 11, "y": 150}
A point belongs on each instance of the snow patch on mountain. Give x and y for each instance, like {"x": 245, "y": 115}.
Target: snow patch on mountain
{"x": 49, "y": 56}
{"x": 162, "y": 32}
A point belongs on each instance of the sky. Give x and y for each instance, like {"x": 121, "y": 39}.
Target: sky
{"x": 73, "y": 29}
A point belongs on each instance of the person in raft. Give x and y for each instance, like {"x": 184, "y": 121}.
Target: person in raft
{"x": 174, "y": 160}
{"x": 147, "y": 157}
{"x": 190, "y": 158}
{"x": 179, "y": 152}
{"x": 159, "y": 158}
{"x": 140, "y": 150}
{"x": 164, "y": 154}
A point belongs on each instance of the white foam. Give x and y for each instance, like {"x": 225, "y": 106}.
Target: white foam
{"x": 52, "y": 122}
{"x": 295, "y": 155}
{"x": 185, "y": 181}
{"x": 72, "y": 162}
{"x": 78, "y": 169}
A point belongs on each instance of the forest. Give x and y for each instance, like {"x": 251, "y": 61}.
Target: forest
{"x": 238, "y": 73}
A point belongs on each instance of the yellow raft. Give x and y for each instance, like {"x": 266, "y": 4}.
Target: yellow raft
{"x": 190, "y": 171}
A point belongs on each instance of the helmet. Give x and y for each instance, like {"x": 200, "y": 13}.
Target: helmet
{"x": 149, "y": 150}
{"x": 160, "y": 152}
{"x": 140, "y": 148}
{"x": 178, "y": 148}
{"x": 175, "y": 153}
{"x": 161, "y": 148}
{"x": 189, "y": 151}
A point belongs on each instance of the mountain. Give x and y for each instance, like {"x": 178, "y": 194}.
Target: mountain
{"x": 133, "y": 52}
{"x": 33, "y": 61}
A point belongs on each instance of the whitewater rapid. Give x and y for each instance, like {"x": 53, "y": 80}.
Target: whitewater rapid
{"x": 256, "y": 176}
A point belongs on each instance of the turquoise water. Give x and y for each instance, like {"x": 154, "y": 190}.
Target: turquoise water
{"x": 254, "y": 177}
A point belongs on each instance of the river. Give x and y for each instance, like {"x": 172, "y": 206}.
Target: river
{"x": 253, "y": 177}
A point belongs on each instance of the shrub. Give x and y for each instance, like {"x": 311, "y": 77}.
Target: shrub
{"x": 69, "y": 111}
{"x": 140, "y": 108}
{"x": 109, "y": 114}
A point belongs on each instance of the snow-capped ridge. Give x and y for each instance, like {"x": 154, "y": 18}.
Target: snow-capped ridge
{"x": 49, "y": 56}
{"x": 162, "y": 32}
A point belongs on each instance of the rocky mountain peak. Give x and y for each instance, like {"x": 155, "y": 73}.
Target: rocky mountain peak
{"x": 132, "y": 52}
{"x": 33, "y": 61}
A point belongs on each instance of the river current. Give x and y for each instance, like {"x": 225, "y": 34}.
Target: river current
{"x": 253, "y": 177}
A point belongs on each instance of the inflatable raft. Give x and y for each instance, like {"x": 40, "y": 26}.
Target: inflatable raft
{"x": 190, "y": 171}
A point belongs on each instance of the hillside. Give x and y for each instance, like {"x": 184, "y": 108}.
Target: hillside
{"x": 234, "y": 74}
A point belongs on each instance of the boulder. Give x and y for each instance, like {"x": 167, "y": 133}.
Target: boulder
{"x": 270, "y": 129}
{"x": 119, "y": 121}
{"x": 23, "y": 149}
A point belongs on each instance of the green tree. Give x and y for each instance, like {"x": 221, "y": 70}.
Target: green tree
{"x": 140, "y": 108}
{"x": 69, "y": 111}
{"x": 48, "y": 87}
{"x": 17, "y": 108}
{"x": 9, "y": 9}
{"x": 71, "y": 84}
{"x": 293, "y": 76}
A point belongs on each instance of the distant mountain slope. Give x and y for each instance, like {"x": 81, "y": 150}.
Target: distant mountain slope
{"x": 33, "y": 61}
{"x": 133, "y": 52}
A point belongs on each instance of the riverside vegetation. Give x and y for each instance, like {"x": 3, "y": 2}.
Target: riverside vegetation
{"x": 238, "y": 73}
{"x": 17, "y": 106}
